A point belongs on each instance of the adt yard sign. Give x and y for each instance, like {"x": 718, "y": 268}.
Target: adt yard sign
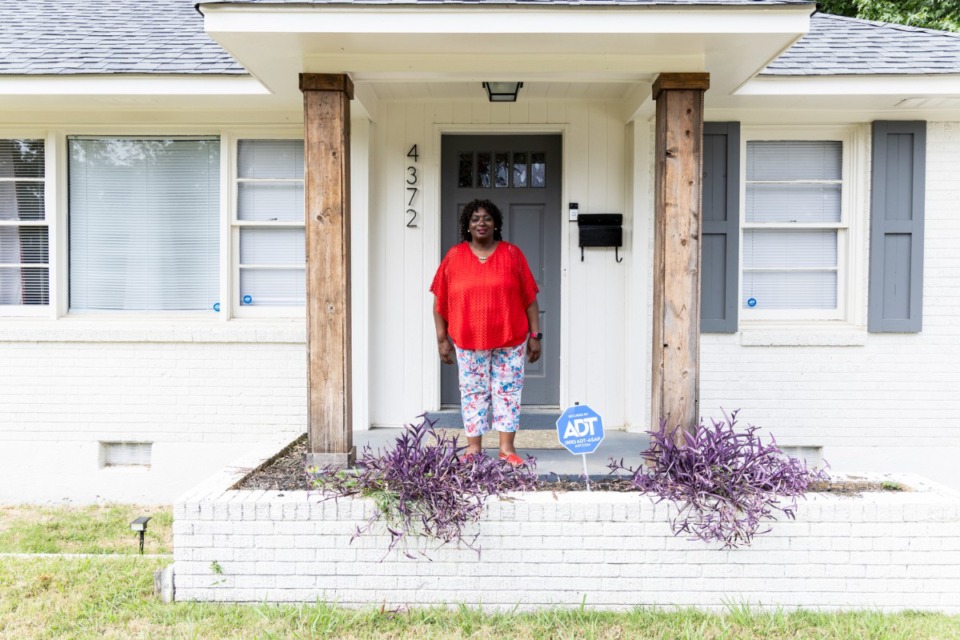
{"x": 580, "y": 429}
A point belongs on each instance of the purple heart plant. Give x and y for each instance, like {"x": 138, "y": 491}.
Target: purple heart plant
{"x": 424, "y": 486}
{"x": 724, "y": 482}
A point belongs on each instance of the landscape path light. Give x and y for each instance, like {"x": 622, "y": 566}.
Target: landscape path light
{"x": 140, "y": 526}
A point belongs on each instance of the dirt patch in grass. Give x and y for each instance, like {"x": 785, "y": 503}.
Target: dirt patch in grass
{"x": 286, "y": 472}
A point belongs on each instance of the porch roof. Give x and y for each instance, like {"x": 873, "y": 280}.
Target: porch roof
{"x": 165, "y": 53}
{"x": 492, "y": 40}
{"x": 78, "y": 37}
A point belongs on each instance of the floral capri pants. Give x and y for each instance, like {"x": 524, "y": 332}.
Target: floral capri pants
{"x": 493, "y": 377}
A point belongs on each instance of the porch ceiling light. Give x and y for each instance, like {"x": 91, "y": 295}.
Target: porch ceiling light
{"x": 502, "y": 91}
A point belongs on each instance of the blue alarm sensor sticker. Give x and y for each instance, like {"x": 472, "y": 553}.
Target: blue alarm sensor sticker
{"x": 752, "y": 302}
{"x": 247, "y": 299}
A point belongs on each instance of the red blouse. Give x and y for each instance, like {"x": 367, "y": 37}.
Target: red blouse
{"x": 485, "y": 303}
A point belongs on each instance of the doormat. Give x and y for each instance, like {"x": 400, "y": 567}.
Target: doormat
{"x": 530, "y": 439}
{"x": 538, "y": 429}
{"x": 541, "y": 420}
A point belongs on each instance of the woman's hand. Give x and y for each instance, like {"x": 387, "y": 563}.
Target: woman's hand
{"x": 533, "y": 349}
{"x": 446, "y": 351}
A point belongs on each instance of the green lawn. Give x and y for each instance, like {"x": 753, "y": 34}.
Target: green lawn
{"x": 113, "y": 598}
{"x": 93, "y": 529}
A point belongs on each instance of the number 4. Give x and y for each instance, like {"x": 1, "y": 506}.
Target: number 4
{"x": 413, "y": 153}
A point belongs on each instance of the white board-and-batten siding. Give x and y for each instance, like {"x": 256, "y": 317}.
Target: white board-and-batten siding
{"x": 404, "y": 366}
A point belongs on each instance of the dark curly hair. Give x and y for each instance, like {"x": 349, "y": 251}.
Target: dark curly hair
{"x": 472, "y": 207}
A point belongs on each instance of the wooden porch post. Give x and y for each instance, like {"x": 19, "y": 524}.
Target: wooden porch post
{"x": 676, "y": 266}
{"x": 326, "y": 119}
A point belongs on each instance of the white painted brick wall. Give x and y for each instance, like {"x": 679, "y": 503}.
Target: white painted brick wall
{"x": 884, "y": 551}
{"x": 892, "y": 404}
{"x": 202, "y": 394}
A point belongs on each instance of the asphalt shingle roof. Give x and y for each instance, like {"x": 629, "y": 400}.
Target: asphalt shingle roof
{"x": 68, "y": 37}
{"x": 847, "y": 46}
{"x": 704, "y": 3}
{"x": 63, "y": 37}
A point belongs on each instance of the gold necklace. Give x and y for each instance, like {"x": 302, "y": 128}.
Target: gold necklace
{"x": 484, "y": 258}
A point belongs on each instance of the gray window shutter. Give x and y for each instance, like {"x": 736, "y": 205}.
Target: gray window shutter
{"x": 720, "y": 234}
{"x": 896, "y": 226}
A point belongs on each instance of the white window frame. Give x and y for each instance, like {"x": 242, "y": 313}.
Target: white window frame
{"x": 850, "y": 229}
{"x": 49, "y": 221}
{"x": 234, "y": 224}
{"x": 62, "y": 166}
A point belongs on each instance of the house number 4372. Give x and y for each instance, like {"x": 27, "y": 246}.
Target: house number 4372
{"x": 413, "y": 185}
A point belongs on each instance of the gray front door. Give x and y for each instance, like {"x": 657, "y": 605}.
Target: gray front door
{"x": 521, "y": 175}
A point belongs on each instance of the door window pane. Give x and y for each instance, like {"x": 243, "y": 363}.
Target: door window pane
{"x": 483, "y": 170}
{"x": 502, "y": 171}
{"x": 519, "y": 169}
{"x": 538, "y": 170}
{"x": 465, "y": 173}
{"x": 144, "y": 217}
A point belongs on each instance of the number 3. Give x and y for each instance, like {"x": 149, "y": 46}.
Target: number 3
{"x": 412, "y": 178}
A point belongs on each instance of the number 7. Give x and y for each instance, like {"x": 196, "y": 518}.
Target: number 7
{"x": 412, "y": 195}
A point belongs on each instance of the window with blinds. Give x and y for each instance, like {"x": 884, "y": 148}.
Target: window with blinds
{"x": 24, "y": 230}
{"x": 793, "y": 221}
{"x": 269, "y": 224}
{"x": 143, "y": 217}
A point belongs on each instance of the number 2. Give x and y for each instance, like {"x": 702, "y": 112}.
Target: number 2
{"x": 413, "y": 216}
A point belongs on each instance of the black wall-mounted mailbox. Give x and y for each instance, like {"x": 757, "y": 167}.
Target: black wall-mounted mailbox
{"x": 601, "y": 230}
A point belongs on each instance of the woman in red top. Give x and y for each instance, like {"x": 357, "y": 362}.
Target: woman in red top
{"x": 486, "y": 304}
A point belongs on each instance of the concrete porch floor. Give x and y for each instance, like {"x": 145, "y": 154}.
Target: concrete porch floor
{"x": 616, "y": 444}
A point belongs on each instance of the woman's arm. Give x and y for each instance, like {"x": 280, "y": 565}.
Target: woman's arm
{"x": 443, "y": 342}
{"x": 533, "y": 319}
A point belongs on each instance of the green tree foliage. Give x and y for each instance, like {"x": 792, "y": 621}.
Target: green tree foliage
{"x": 932, "y": 14}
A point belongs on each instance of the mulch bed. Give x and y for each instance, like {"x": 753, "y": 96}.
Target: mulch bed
{"x": 286, "y": 473}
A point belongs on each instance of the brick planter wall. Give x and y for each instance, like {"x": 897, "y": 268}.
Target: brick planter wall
{"x": 883, "y": 550}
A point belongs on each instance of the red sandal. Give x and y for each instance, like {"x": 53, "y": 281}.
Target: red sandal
{"x": 513, "y": 459}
